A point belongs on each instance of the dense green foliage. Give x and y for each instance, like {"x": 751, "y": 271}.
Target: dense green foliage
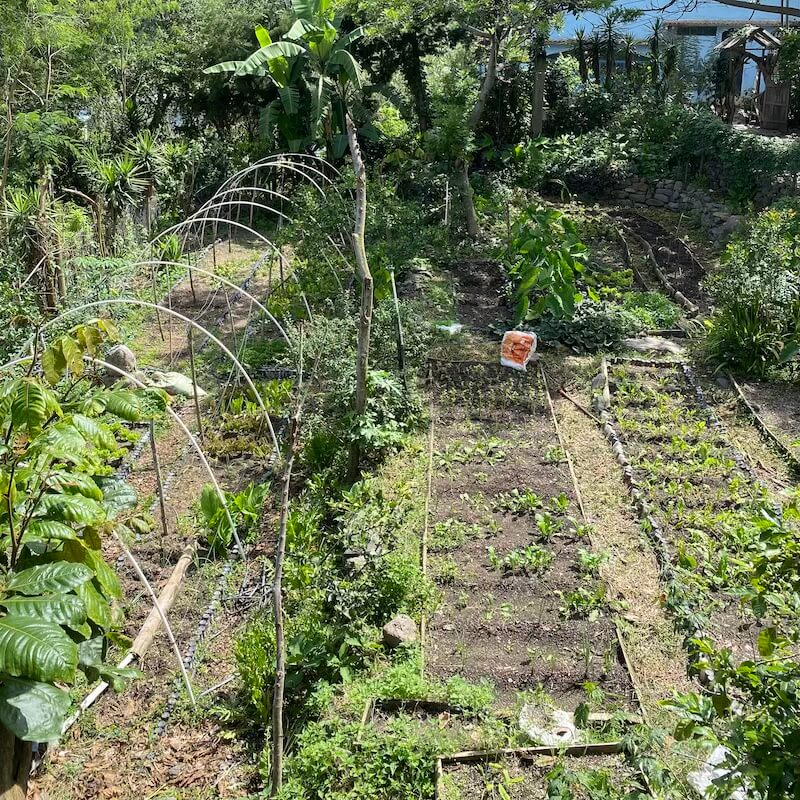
{"x": 60, "y": 499}
{"x": 757, "y": 325}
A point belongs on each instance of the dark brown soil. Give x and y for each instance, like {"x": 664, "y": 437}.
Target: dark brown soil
{"x": 502, "y": 626}
{"x": 683, "y": 271}
{"x": 478, "y": 288}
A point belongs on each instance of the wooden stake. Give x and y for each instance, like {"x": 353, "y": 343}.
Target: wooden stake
{"x": 162, "y": 506}
{"x": 198, "y": 415}
{"x": 401, "y": 352}
{"x": 155, "y": 302}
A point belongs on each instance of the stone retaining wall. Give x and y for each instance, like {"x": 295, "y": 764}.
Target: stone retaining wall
{"x": 675, "y": 195}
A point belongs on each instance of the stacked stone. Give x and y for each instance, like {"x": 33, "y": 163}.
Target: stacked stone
{"x": 678, "y": 196}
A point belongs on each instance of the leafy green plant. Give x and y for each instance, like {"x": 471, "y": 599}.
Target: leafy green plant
{"x": 58, "y": 499}
{"x": 583, "y": 602}
{"x": 518, "y": 502}
{"x": 594, "y": 327}
{"x": 530, "y": 559}
{"x": 544, "y": 258}
{"x": 245, "y": 511}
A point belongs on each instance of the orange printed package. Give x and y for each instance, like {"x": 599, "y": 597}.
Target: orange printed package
{"x": 517, "y": 349}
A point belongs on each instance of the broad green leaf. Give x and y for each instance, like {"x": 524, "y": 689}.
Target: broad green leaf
{"x": 53, "y": 364}
{"x": 34, "y": 648}
{"x": 290, "y": 98}
{"x": 118, "y": 677}
{"x": 300, "y": 28}
{"x": 98, "y": 609}
{"x": 261, "y": 57}
{"x": 349, "y": 38}
{"x": 46, "y": 529}
{"x": 72, "y": 355}
{"x": 65, "y": 609}
{"x": 58, "y": 576}
{"x": 262, "y": 34}
{"x": 124, "y": 404}
{"x": 94, "y": 431}
{"x": 71, "y": 508}
{"x": 224, "y": 66}
{"x": 29, "y": 406}
{"x": 348, "y": 64}
{"x": 33, "y": 711}
{"x": 63, "y": 442}
{"x": 117, "y": 495}
{"x": 89, "y": 338}
{"x": 75, "y": 483}
{"x": 209, "y": 502}
{"x": 78, "y": 553}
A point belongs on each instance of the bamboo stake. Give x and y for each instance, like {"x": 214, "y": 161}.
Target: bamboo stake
{"x": 401, "y": 351}
{"x": 147, "y": 633}
{"x": 167, "y": 628}
{"x": 276, "y": 775}
{"x": 159, "y": 486}
{"x": 197, "y": 414}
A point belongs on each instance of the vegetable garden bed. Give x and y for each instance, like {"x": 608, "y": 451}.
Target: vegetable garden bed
{"x": 595, "y": 771}
{"x": 713, "y": 514}
{"x": 523, "y": 605}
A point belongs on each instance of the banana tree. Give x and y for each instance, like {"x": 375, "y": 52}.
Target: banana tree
{"x": 58, "y": 501}
{"x": 319, "y": 80}
{"x": 281, "y": 64}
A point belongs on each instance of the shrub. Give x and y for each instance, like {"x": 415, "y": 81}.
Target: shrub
{"x": 543, "y": 259}
{"x": 653, "y": 309}
{"x": 336, "y": 760}
{"x": 758, "y": 294}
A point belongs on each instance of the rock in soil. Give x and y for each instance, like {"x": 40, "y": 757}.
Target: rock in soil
{"x": 400, "y": 630}
{"x": 122, "y": 358}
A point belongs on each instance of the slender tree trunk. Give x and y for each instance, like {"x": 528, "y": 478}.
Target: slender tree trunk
{"x": 362, "y": 265}
{"x": 474, "y": 119}
{"x": 611, "y": 62}
{"x": 415, "y": 77}
{"x": 537, "y": 100}
{"x": 583, "y": 66}
{"x": 15, "y": 766}
{"x": 467, "y": 200}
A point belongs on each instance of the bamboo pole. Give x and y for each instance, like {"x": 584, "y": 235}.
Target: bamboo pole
{"x": 197, "y": 414}
{"x": 159, "y": 486}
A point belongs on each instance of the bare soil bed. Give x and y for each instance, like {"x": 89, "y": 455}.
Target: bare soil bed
{"x": 495, "y": 443}
{"x": 683, "y": 271}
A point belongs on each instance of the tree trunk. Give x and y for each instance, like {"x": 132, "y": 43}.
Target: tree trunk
{"x": 611, "y": 62}
{"x": 412, "y": 69}
{"x": 583, "y": 66}
{"x": 365, "y": 315}
{"x": 15, "y": 766}
{"x": 537, "y": 101}
{"x": 474, "y": 119}
{"x": 467, "y": 200}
